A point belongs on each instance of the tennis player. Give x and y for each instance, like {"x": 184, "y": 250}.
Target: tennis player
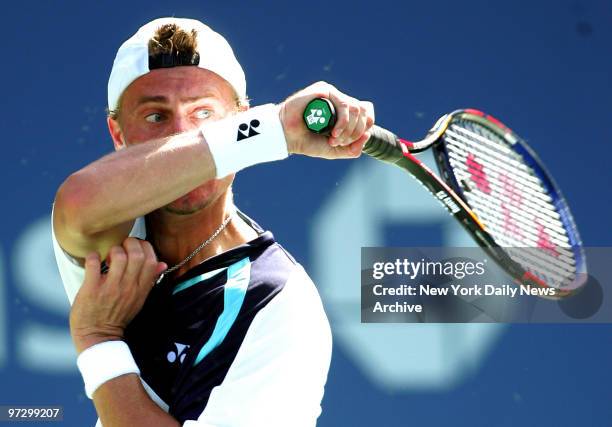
{"x": 234, "y": 332}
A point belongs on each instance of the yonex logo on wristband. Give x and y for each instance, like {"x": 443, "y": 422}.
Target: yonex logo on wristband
{"x": 230, "y": 154}
{"x": 247, "y": 130}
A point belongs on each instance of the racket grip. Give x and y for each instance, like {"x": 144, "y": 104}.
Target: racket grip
{"x": 383, "y": 145}
{"x": 320, "y": 117}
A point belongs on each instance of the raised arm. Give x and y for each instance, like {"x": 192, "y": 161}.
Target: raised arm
{"x": 96, "y": 206}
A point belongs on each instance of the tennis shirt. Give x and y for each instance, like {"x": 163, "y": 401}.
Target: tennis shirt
{"x": 239, "y": 340}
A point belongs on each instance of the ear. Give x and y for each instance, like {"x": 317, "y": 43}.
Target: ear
{"x": 243, "y": 105}
{"x": 116, "y": 133}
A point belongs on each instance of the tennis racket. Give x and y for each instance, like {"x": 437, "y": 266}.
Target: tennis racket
{"x": 494, "y": 184}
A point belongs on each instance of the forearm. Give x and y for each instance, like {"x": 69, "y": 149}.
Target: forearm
{"x": 123, "y": 402}
{"x": 102, "y": 309}
{"x": 134, "y": 181}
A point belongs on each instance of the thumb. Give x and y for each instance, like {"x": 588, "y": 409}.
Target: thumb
{"x": 92, "y": 269}
{"x": 356, "y": 147}
{"x": 161, "y": 267}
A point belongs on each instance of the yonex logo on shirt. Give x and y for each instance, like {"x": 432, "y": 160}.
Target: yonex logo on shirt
{"x": 178, "y": 354}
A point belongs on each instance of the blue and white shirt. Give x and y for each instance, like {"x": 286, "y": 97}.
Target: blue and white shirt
{"x": 239, "y": 340}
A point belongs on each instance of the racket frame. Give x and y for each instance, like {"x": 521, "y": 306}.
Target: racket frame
{"x": 448, "y": 192}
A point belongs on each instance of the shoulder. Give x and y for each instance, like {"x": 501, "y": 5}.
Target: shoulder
{"x": 278, "y": 279}
{"x": 295, "y": 317}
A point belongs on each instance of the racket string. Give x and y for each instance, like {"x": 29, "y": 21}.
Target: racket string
{"x": 526, "y": 227}
{"x": 527, "y": 216}
{"x": 500, "y": 164}
{"x": 532, "y": 191}
{"x": 561, "y": 259}
{"x": 509, "y": 162}
{"x": 511, "y": 201}
{"x": 514, "y": 197}
{"x": 541, "y": 268}
{"x": 544, "y": 213}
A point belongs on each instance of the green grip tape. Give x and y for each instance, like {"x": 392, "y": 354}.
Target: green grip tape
{"x": 320, "y": 116}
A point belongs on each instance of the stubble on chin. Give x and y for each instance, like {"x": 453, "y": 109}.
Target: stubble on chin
{"x": 185, "y": 208}
{"x": 195, "y": 201}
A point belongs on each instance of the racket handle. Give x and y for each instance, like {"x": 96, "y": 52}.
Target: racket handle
{"x": 383, "y": 145}
{"x": 320, "y": 117}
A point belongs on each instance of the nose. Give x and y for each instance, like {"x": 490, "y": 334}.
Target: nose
{"x": 182, "y": 123}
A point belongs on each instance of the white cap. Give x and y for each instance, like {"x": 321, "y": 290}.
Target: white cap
{"x": 132, "y": 60}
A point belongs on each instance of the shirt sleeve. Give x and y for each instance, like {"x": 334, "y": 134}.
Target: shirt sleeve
{"x": 280, "y": 370}
{"x": 71, "y": 272}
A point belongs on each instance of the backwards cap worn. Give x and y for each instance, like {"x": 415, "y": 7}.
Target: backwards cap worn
{"x": 132, "y": 60}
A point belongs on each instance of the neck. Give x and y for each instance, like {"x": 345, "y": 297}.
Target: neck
{"x": 175, "y": 237}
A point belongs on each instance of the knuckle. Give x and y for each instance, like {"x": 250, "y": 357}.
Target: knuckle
{"x": 130, "y": 241}
{"x": 151, "y": 256}
{"x": 138, "y": 256}
{"x": 119, "y": 257}
{"x": 116, "y": 251}
{"x": 150, "y": 262}
{"x": 341, "y": 125}
{"x": 368, "y": 108}
{"x": 133, "y": 246}
{"x": 342, "y": 120}
{"x": 321, "y": 85}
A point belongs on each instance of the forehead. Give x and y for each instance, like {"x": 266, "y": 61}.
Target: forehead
{"x": 177, "y": 83}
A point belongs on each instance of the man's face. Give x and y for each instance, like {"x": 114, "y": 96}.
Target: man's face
{"x": 169, "y": 101}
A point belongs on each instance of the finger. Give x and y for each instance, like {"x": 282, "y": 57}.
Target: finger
{"x": 345, "y": 138}
{"x": 92, "y": 269}
{"x": 370, "y": 115}
{"x": 356, "y": 147}
{"x": 149, "y": 271}
{"x": 341, "y": 103}
{"x": 360, "y": 126}
{"x": 161, "y": 267}
{"x": 135, "y": 261}
{"x": 117, "y": 261}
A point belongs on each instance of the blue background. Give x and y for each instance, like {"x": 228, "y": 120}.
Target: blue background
{"x": 543, "y": 67}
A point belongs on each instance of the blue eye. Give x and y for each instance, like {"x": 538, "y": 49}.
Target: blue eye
{"x": 203, "y": 114}
{"x": 154, "y": 118}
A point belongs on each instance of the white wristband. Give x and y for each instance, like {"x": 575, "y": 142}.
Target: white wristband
{"x": 245, "y": 139}
{"x": 103, "y": 362}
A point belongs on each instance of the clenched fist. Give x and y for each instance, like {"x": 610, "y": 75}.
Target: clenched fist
{"x": 350, "y": 133}
{"x": 107, "y": 303}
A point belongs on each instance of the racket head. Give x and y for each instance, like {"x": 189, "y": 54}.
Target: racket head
{"x": 515, "y": 198}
